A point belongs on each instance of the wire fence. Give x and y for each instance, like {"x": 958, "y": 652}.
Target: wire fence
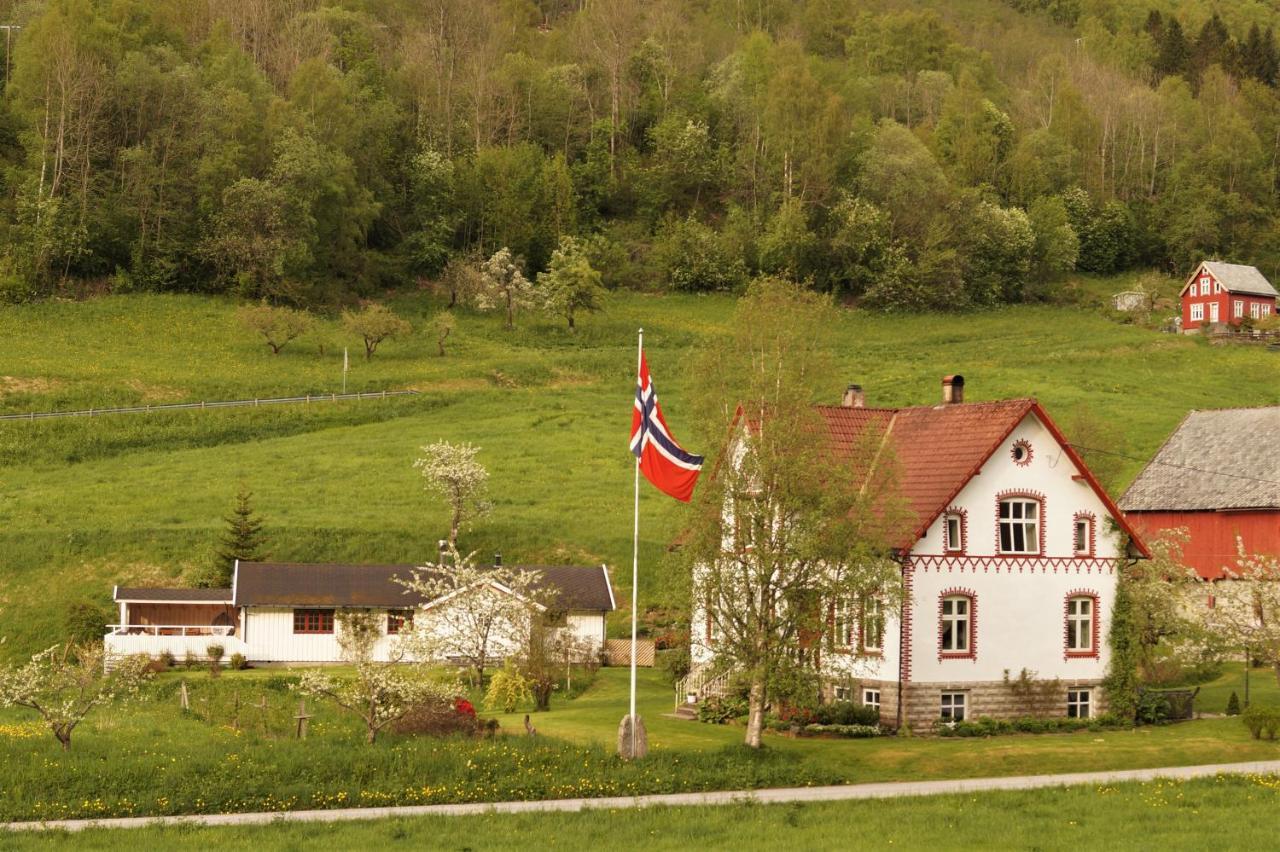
{"x": 226, "y": 403}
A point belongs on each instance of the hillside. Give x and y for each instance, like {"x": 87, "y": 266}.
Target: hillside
{"x": 86, "y": 503}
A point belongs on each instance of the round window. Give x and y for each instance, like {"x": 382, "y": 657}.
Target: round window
{"x": 1022, "y": 453}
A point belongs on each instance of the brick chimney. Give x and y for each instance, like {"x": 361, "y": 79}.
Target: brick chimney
{"x": 853, "y": 397}
{"x": 952, "y": 390}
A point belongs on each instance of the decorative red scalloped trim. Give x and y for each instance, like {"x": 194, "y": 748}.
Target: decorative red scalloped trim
{"x": 964, "y": 531}
{"x": 1093, "y": 534}
{"x": 1028, "y": 452}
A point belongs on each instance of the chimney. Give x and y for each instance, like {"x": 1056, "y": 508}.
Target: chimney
{"x": 497, "y": 559}
{"x": 952, "y": 390}
{"x": 853, "y": 397}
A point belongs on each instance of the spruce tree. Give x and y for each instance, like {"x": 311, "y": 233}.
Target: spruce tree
{"x": 1174, "y": 56}
{"x": 242, "y": 539}
{"x": 1233, "y": 704}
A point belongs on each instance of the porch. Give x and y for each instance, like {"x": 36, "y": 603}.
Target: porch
{"x": 176, "y": 639}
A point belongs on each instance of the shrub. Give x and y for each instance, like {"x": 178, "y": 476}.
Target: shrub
{"x": 439, "y": 718}
{"x": 1233, "y": 704}
{"x": 984, "y": 726}
{"x": 214, "y": 653}
{"x": 846, "y": 713}
{"x": 86, "y": 621}
{"x": 852, "y": 731}
{"x": 166, "y": 657}
{"x": 190, "y": 660}
{"x": 797, "y": 715}
{"x": 1262, "y": 721}
{"x": 238, "y": 662}
{"x": 1153, "y": 708}
{"x": 719, "y": 710}
{"x": 674, "y": 664}
{"x": 508, "y": 689}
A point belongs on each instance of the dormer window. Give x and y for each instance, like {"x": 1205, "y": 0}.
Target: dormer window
{"x": 953, "y": 532}
{"x": 1019, "y": 523}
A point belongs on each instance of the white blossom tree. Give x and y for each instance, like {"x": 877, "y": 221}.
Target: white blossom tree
{"x": 65, "y": 682}
{"x": 1246, "y": 611}
{"x": 381, "y": 692}
{"x": 502, "y": 284}
{"x": 472, "y": 613}
{"x": 451, "y": 470}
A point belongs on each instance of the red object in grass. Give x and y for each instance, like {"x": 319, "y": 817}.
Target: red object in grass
{"x": 463, "y": 707}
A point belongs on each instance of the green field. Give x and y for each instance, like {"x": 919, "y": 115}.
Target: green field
{"x": 86, "y": 503}
{"x": 1222, "y": 813}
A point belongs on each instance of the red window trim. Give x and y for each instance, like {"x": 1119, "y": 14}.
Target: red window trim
{"x": 323, "y": 619}
{"x": 397, "y": 620}
{"x": 964, "y": 531}
{"x": 1093, "y": 535}
{"x": 972, "y": 652}
{"x": 1024, "y": 495}
{"x": 1095, "y": 632}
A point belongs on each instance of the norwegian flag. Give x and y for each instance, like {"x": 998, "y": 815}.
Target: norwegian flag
{"x": 663, "y": 462}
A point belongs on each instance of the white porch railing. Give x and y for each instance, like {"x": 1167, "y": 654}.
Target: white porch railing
{"x": 176, "y": 639}
{"x": 171, "y": 629}
{"x": 703, "y": 681}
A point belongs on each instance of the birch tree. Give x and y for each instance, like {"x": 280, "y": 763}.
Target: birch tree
{"x": 65, "y": 683}
{"x": 451, "y": 470}
{"x": 381, "y": 692}
{"x": 472, "y": 613}
{"x": 788, "y": 526}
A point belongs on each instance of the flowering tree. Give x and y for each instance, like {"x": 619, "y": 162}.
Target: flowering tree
{"x": 65, "y": 682}
{"x": 451, "y": 470}
{"x": 373, "y": 325}
{"x": 473, "y": 613}
{"x": 1246, "y": 612}
{"x": 503, "y": 284}
{"x": 382, "y": 692}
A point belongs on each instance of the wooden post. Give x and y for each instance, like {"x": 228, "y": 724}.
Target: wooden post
{"x": 302, "y": 718}
{"x": 235, "y": 710}
{"x": 184, "y": 700}
{"x": 262, "y": 712}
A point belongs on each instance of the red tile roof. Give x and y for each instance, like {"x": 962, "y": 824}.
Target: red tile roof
{"x": 938, "y": 449}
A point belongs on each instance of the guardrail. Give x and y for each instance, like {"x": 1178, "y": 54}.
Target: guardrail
{"x": 229, "y": 403}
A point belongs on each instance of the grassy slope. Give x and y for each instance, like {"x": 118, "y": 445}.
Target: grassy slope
{"x": 1223, "y": 813}
{"x": 87, "y": 503}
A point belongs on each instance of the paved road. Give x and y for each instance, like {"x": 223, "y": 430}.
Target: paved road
{"x": 727, "y": 797}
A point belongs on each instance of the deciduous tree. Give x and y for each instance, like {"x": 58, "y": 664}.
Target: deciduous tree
{"x": 503, "y": 285}
{"x": 570, "y": 286}
{"x": 277, "y": 326}
{"x": 374, "y": 324}
{"x": 452, "y": 471}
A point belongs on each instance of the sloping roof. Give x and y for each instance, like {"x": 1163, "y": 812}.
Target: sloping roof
{"x": 308, "y": 584}
{"x": 940, "y": 448}
{"x": 145, "y": 595}
{"x": 1237, "y": 278}
{"x": 1223, "y": 459}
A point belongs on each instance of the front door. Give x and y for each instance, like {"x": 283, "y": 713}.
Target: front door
{"x": 1213, "y": 312}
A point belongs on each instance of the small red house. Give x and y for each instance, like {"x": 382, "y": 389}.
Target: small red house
{"x": 1217, "y": 476}
{"x": 1225, "y": 293}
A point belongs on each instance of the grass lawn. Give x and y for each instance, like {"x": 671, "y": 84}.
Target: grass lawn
{"x": 1263, "y": 689}
{"x": 136, "y": 499}
{"x": 1222, "y": 813}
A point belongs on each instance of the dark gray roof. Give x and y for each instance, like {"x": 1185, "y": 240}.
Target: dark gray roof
{"x": 1238, "y": 278}
{"x": 314, "y": 584}
{"x": 1223, "y": 459}
{"x": 141, "y": 594}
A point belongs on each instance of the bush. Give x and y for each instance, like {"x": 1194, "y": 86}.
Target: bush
{"x": 1233, "y": 704}
{"x": 508, "y": 689}
{"x": 86, "y": 621}
{"x": 167, "y": 658}
{"x": 440, "y": 718}
{"x": 1262, "y": 721}
{"x": 190, "y": 660}
{"x": 1153, "y": 708}
{"x": 238, "y": 662}
{"x": 846, "y": 713}
{"x": 718, "y": 711}
{"x": 693, "y": 257}
{"x": 214, "y": 653}
{"x": 850, "y": 731}
{"x": 984, "y": 726}
{"x": 674, "y": 664}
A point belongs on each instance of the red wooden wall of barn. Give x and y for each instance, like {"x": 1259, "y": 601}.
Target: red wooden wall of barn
{"x": 1212, "y": 542}
{"x": 1225, "y": 302}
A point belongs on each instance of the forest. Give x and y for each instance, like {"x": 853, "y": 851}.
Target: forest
{"x": 903, "y": 155}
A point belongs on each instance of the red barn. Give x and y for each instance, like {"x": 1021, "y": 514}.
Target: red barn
{"x": 1225, "y": 293}
{"x": 1218, "y": 475}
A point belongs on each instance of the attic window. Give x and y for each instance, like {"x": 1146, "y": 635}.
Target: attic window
{"x": 1022, "y": 453}
{"x": 954, "y": 532}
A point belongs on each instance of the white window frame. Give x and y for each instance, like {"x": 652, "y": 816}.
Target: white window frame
{"x": 871, "y": 698}
{"x": 1213, "y": 312}
{"x": 1017, "y": 518}
{"x": 872, "y": 625}
{"x": 1194, "y": 289}
{"x": 1080, "y": 616}
{"x": 953, "y": 543}
{"x": 1266, "y": 311}
{"x": 842, "y": 693}
{"x": 1079, "y": 700}
{"x": 1255, "y": 310}
{"x": 1083, "y": 534}
{"x": 1197, "y": 312}
{"x": 957, "y": 614}
{"x": 950, "y": 703}
{"x": 1237, "y": 308}
{"x": 843, "y": 625}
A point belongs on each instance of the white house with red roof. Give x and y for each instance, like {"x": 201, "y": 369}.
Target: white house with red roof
{"x": 1010, "y": 563}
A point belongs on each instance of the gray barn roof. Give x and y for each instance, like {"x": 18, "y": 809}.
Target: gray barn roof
{"x": 1223, "y": 459}
{"x": 329, "y": 585}
{"x": 1238, "y": 278}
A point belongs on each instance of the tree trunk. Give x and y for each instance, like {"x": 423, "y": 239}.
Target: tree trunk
{"x": 1276, "y": 667}
{"x": 755, "y": 712}
{"x": 371, "y": 735}
{"x": 571, "y": 325}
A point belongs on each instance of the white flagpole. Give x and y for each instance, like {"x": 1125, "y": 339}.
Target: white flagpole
{"x": 346, "y": 365}
{"x": 635, "y": 560}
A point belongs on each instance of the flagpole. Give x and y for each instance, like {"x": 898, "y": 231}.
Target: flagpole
{"x": 635, "y": 560}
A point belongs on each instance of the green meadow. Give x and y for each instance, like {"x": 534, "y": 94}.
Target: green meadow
{"x": 86, "y": 503}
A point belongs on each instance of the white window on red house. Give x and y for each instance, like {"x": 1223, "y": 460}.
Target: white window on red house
{"x": 953, "y": 705}
{"x": 955, "y": 624}
{"x": 1078, "y": 701}
{"x": 1197, "y": 312}
{"x": 313, "y": 621}
{"x": 871, "y": 698}
{"x": 873, "y": 625}
{"x": 1237, "y": 308}
{"x": 1083, "y": 536}
{"x": 1266, "y": 310}
{"x": 1255, "y": 310}
{"x": 1080, "y": 616}
{"x": 953, "y": 531}
{"x": 1019, "y": 526}
{"x": 1193, "y": 291}
{"x": 1213, "y": 312}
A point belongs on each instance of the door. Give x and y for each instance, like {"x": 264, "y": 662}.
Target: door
{"x": 1213, "y": 312}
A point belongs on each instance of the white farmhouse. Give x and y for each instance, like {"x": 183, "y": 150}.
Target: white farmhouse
{"x": 1010, "y": 564}
{"x": 285, "y": 612}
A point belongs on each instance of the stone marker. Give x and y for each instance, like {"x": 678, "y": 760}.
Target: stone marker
{"x": 624, "y": 739}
